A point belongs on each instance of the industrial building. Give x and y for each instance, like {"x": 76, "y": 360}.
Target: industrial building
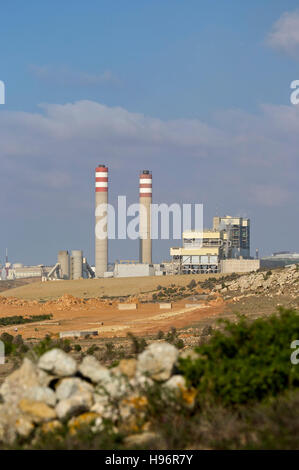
{"x": 10, "y": 271}
{"x": 70, "y": 266}
{"x": 280, "y": 259}
{"x": 212, "y": 250}
{"x": 223, "y": 248}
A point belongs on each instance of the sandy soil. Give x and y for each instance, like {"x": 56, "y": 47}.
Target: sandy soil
{"x": 147, "y": 319}
{"x": 90, "y": 288}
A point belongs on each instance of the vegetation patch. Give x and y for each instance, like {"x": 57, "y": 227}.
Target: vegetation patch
{"x": 247, "y": 362}
{"x": 19, "y": 319}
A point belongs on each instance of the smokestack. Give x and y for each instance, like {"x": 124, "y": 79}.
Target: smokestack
{"x": 101, "y": 216}
{"x": 145, "y": 201}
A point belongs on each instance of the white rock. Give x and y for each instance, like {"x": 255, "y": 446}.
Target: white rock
{"x": 157, "y": 361}
{"x": 72, "y": 386}
{"x": 106, "y": 410}
{"x": 13, "y": 423}
{"x": 20, "y": 382}
{"x": 93, "y": 370}
{"x": 58, "y": 362}
{"x": 175, "y": 382}
{"x": 43, "y": 394}
{"x": 114, "y": 388}
{"x": 73, "y": 406}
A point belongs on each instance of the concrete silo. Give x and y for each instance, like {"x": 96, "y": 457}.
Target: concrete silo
{"x": 64, "y": 261}
{"x": 77, "y": 264}
{"x": 145, "y": 201}
{"x": 101, "y": 220}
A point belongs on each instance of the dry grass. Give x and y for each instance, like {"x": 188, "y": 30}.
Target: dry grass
{"x": 89, "y": 288}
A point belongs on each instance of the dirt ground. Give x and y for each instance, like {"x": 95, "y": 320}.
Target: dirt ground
{"x": 90, "y": 288}
{"x": 106, "y": 319}
{"x": 15, "y": 283}
{"x": 88, "y": 312}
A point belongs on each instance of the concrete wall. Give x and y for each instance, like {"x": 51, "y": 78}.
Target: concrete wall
{"x": 133, "y": 270}
{"x": 239, "y": 265}
{"x": 127, "y": 306}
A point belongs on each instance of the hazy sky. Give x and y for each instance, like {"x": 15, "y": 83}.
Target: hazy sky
{"x": 196, "y": 91}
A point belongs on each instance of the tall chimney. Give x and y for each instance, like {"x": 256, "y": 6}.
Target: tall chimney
{"x": 145, "y": 201}
{"x": 101, "y": 239}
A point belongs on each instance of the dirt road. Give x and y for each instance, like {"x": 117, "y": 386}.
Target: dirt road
{"x": 107, "y": 319}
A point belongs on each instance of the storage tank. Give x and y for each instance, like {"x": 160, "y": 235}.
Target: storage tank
{"x": 64, "y": 261}
{"x": 77, "y": 264}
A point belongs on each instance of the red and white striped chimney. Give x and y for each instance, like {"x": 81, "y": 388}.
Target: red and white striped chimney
{"x": 101, "y": 220}
{"x": 145, "y": 201}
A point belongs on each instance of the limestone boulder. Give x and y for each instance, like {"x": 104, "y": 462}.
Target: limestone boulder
{"x": 72, "y": 386}
{"x": 57, "y": 362}
{"x": 157, "y": 361}
{"x": 37, "y": 411}
{"x": 20, "y": 382}
{"x": 74, "y": 406}
{"x": 93, "y": 370}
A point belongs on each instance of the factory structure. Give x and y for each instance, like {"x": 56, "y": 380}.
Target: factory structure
{"x": 224, "y": 248}
{"x": 70, "y": 266}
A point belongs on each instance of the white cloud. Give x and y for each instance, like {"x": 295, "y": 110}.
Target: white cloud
{"x": 285, "y": 33}
{"x": 238, "y": 152}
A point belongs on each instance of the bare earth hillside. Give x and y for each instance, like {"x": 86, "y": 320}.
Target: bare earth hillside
{"x": 90, "y": 288}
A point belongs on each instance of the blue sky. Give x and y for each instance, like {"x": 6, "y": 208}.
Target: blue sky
{"x": 192, "y": 85}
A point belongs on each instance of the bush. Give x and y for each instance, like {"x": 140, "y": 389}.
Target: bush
{"x": 13, "y": 344}
{"x": 19, "y": 319}
{"x": 138, "y": 345}
{"x": 48, "y": 343}
{"x": 246, "y": 362}
{"x": 77, "y": 347}
{"x": 192, "y": 284}
{"x": 160, "y": 334}
{"x": 92, "y": 349}
{"x": 179, "y": 343}
{"x": 6, "y": 338}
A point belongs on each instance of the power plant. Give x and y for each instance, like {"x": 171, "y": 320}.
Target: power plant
{"x": 224, "y": 248}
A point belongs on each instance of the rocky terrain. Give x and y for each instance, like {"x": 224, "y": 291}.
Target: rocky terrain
{"x": 270, "y": 283}
{"x": 54, "y": 391}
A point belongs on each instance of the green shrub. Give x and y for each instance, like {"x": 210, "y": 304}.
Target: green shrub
{"x": 92, "y": 349}
{"x": 138, "y": 345}
{"x": 247, "y": 361}
{"x": 192, "y": 284}
{"x": 171, "y": 335}
{"x": 77, "y": 347}
{"x": 48, "y": 343}
{"x": 19, "y": 319}
{"x": 13, "y": 345}
{"x": 6, "y": 338}
{"x": 179, "y": 343}
{"x": 160, "y": 334}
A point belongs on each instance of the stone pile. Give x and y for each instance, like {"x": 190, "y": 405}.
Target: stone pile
{"x": 40, "y": 397}
{"x": 17, "y": 302}
{"x": 68, "y": 301}
{"x": 276, "y": 282}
